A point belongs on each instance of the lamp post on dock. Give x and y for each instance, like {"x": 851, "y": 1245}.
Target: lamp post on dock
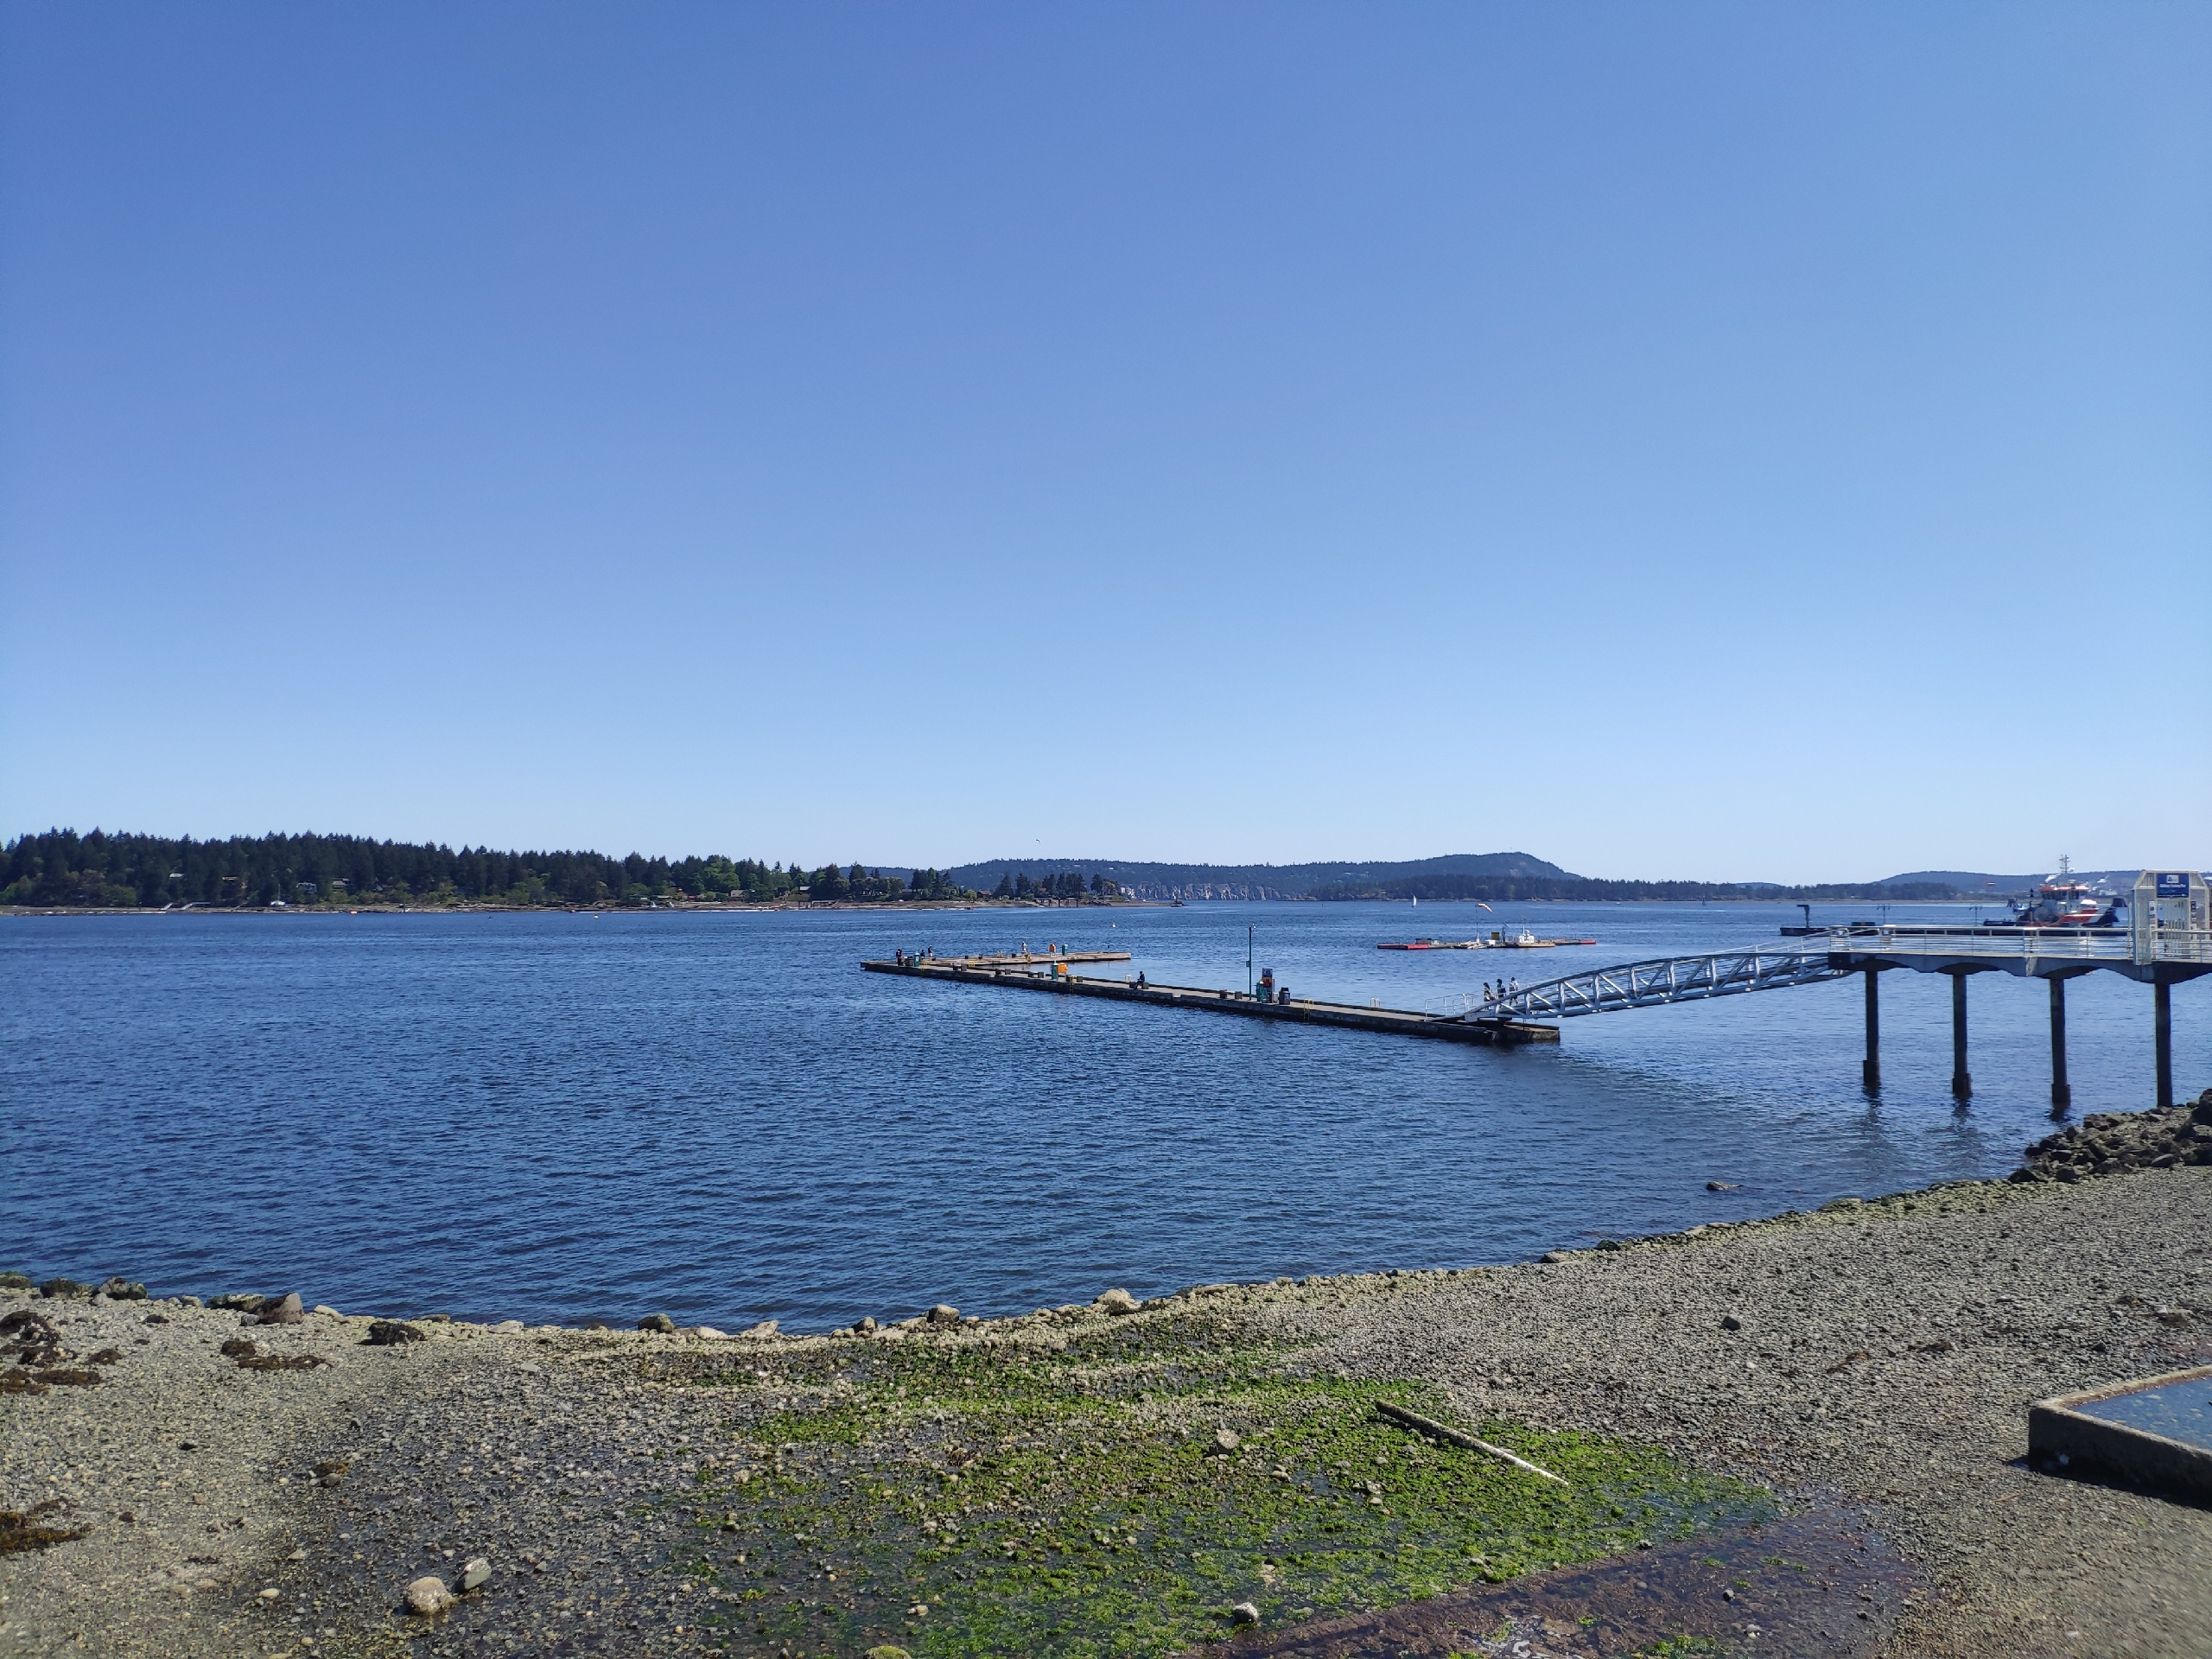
{"x": 1248, "y": 961}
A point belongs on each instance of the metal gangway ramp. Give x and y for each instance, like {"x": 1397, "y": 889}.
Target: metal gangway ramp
{"x": 1660, "y": 980}
{"x": 2150, "y": 951}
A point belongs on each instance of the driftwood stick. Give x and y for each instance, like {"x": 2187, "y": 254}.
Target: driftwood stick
{"x": 1459, "y": 1437}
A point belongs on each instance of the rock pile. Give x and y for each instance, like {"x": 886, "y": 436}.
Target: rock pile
{"x": 2107, "y": 1142}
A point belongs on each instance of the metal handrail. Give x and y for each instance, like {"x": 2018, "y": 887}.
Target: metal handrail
{"x": 2141, "y": 945}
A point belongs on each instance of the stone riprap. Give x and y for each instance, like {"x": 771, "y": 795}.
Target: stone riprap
{"x": 2106, "y": 1142}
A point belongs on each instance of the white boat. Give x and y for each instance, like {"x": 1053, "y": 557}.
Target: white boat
{"x": 1524, "y": 940}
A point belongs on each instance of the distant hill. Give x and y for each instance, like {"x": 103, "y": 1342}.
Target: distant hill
{"x": 1167, "y": 881}
{"x": 1486, "y": 876}
{"x": 60, "y": 867}
{"x": 1974, "y": 883}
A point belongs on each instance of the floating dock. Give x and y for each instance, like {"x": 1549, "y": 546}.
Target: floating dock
{"x": 1403, "y": 1022}
{"x": 1022, "y": 959}
{"x": 1496, "y": 942}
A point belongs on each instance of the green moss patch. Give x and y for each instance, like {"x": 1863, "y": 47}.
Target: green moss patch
{"x": 1080, "y": 1498}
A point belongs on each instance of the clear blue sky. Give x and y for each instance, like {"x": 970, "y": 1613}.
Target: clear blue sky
{"x": 1705, "y": 441}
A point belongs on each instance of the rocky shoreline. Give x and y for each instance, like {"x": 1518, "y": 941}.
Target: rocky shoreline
{"x": 2107, "y": 1141}
{"x": 183, "y": 1478}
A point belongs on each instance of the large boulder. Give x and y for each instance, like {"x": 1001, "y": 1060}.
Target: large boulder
{"x": 287, "y": 1312}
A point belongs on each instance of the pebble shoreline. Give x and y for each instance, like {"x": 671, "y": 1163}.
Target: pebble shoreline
{"x": 1878, "y": 1355}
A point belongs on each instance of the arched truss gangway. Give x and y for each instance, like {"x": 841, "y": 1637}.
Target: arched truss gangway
{"x": 1659, "y": 982}
{"x": 2161, "y": 956}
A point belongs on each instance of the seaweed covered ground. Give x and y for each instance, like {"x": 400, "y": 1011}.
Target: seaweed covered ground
{"x": 1122, "y": 1489}
{"x": 1087, "y": 1482}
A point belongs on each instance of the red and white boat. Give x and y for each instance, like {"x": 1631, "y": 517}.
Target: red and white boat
{"x": 2061, "y": 901}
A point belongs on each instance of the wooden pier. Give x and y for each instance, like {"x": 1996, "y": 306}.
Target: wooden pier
{"x": 1034, "y": 974}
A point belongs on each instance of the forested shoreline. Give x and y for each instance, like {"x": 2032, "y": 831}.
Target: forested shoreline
{"x": 64, "y": 869}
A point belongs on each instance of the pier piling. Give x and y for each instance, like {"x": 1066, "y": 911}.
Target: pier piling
{"x": 1961, "y": 1082}
{"x": 2162, "y": 1025}
{"x": 1870, "y": 1069}
{"x": 2061, "y": 1092}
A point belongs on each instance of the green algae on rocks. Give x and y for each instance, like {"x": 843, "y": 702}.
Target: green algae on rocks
{"x": 1118, "y": 1492}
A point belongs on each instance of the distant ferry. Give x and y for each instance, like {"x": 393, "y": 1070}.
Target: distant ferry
{"x": 1524, "y": 940}
{"x": 2061, "y": 901}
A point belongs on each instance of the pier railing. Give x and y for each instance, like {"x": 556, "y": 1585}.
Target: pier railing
{"x": 2145, "y": 946}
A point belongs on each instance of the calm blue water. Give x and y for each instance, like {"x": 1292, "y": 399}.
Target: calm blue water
{"x": 722, "y": 1117}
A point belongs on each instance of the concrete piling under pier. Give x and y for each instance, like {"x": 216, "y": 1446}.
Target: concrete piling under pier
{"x": 1403, "y": 1022}
{"x": 1961, "y": 1080}
{"x": 1870, "y": 1069}
{"x": 2162, "y": 1024}
{"x": 2061, "y": 1091}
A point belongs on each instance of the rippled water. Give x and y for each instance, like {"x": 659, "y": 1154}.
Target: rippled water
{"x": 722, "y": 1117}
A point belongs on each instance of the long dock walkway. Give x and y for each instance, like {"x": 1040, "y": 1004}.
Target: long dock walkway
{"x": 1403, "y": 1022}
{"x": 1030, "y": 958}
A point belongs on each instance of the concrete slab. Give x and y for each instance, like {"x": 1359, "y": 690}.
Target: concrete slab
{"x": 2151, "y": 1431}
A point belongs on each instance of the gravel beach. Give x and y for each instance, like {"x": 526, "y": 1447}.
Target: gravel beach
{"x": 1874, "y": 1360}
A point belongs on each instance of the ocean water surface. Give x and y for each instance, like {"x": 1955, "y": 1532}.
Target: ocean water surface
{"x": 721, "y": 1117}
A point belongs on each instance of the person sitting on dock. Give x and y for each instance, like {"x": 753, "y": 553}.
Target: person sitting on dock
{"x": 1141, "y": 984}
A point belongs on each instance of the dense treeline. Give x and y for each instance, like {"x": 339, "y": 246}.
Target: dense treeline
{"x": 61, "y": 867}
{"x": 1492, "y": 890}
{"x": 1064, "y": 887}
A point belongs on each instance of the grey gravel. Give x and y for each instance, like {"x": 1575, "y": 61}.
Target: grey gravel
{"x": 1886, "y": 1356}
